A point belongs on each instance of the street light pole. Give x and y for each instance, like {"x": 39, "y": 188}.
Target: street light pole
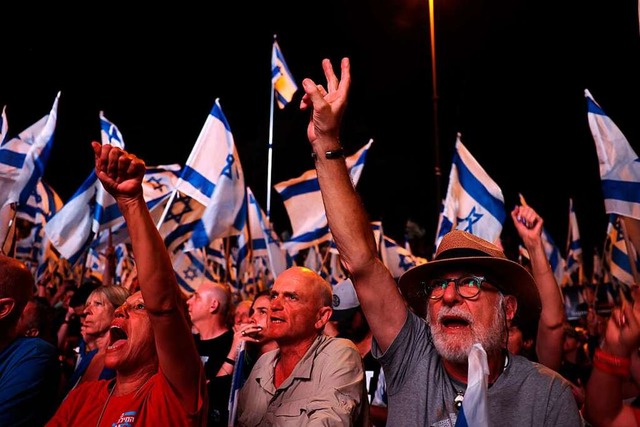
{"x": 436, "y": 132}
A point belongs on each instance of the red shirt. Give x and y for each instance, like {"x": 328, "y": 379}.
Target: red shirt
{"x": 154, "y": 404}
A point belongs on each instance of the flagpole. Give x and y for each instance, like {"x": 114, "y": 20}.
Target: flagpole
{"x": 166, "y": 210}
{"x": 270, "y": 152}
{"x": 434, "y": 85}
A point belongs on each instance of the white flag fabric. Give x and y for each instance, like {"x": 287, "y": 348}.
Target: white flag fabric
{"x": 619, "y": 164}
{"x": 303, "y": 202}
{"x": 23, "y": 158}
{"x": 474, "y": 202}
{"x": 258, "y": 241}
{"x": 474, "y": 411}
{"x": 284, "y": 85}
{"x": 397, "y": 258}
{"x": 90, "y": 210}
{"x": 200, "y": 173}
{"x": 106, "y": 213}
{"x": 226, "y": 210}
{"x": 70, "y": 230}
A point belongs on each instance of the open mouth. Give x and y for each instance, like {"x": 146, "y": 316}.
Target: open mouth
{"x": 276, "y": 320}
{"x": 454, "y": 322}
{"x": 117, "y": 337}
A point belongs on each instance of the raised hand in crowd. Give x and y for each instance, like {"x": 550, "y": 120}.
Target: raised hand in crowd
{"x": 604, "y": 405}
{"x": 159, "y": 376}
{"x": 550, "y": 334}
{"x": 468, "y": 293}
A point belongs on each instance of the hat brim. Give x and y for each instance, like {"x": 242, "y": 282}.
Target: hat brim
{"x": 508, "y": 276}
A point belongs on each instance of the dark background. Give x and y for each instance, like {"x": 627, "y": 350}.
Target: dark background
{"x": 511, "y": 77}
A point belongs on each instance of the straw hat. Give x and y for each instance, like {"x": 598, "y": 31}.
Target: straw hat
{"x": 468, "y": 252}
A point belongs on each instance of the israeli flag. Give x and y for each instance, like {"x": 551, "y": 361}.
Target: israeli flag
{"x": 23, "y": 158}
{"x": 35, "y": 249}
{"x": 90, "y": 210}
{"x": 106, "y": 213}
{"x": 474, "y": 202}
{"x": 617, "y": 255}
{"x": 226, "y": 210}
{"x": 157, "y": 185}
{"x": 282, "y": 80}
{"x": 303, "y": 202}
{"x": 619, "y": 164}
{"x": 397, "y": 258}
{"x": 259, "y": 241}
{"x": 70, "y": 230}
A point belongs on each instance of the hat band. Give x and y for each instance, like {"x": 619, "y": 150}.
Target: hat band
{"x": 461, "y": 253}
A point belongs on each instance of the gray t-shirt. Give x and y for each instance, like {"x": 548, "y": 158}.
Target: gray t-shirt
{"x": 421, "y": 393}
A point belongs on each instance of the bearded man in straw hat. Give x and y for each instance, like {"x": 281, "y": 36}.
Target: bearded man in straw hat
{"x": 468, "y": 294}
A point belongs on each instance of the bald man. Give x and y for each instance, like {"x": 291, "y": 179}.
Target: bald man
{"x": 29, "y": 370}
{"x": 209, "y": 308}
{"x": 311, "y": 379}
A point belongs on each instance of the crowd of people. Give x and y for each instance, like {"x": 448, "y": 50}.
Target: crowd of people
{"x": 369, "y": 351}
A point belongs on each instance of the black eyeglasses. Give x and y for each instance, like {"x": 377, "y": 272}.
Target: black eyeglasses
{"x": 466, "y": 286}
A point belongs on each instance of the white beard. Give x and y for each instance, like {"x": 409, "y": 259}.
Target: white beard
{"x": 456, "y": 348}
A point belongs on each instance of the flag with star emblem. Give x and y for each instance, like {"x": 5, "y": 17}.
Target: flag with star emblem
{"x": 284, "y": 85}
{"x": 90, "y": 210}
{"x": 23, "y": 158}
{"x": 619, "y": 164}
{"x": 32, "y": 245}
{"x": 474, "y": 202}
{"x": 617, "y": 257}
{"x": 213, "y": 179}
{"x": 258, "y": 241}
{"x": 226, "y": 210}
{"x": 303, "y": 203}
{"x": 157, "y": 185}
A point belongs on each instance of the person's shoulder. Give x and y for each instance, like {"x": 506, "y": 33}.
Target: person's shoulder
{"x": 32, "y": 346}
{"x": 337, "y": 345}
{"x": 527, "y": 368}
{"x": 87, "y": 389}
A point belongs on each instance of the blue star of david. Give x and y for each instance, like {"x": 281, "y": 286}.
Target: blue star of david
{"x": 404, "y": 264}
{"x": 227, "y": 169}
{"x": 618, "y": 228}
{"x": 176, "y": 213}
{"x": 472, "y": 218}
{"x": 113, "y": 134}
{"x": 190, "y": 273}
{"x": 156, "y": 183}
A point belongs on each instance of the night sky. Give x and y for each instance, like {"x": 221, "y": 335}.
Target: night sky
{"x": 510, "y": 76}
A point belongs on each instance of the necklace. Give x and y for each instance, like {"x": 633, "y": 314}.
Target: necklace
{"x": 106, "y": 402}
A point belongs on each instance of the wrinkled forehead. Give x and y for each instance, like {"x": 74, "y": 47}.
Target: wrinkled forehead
{"x": 135, "y": 298}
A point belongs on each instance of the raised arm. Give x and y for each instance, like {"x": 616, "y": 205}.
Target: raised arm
{"x": 350, "y": 226}
{"x": 611, "y": 368}
{"x": 121, "y": 175}
{"x": 550, "y": 337}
